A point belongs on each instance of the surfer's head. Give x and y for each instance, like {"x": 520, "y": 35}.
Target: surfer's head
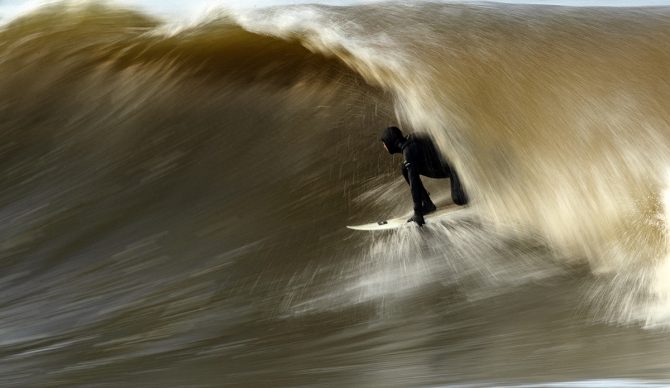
{"x": 393, "y": 138}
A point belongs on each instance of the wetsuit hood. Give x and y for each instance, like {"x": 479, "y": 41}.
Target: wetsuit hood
{"x": 393, "y": 139}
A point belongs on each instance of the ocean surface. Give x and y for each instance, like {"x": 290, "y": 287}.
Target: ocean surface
{"x": 174, "y": 194}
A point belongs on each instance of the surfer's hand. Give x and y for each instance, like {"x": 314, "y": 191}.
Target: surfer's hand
{"x": 418, "y": 218}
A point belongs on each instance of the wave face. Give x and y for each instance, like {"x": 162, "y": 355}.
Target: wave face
{"x": 174, "y": 195}
{"x": 556, "y": 118}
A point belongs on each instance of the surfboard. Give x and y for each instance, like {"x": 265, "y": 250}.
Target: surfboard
{"x": 399, "y": 222}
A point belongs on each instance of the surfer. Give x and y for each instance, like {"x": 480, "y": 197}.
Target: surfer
{"x": 422, "y": 158}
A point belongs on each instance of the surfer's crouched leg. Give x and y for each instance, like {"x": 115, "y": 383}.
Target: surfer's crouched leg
{"x": 427, "y": 205}
{"x": 458, "y": 195}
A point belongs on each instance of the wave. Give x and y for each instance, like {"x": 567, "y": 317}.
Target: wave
{"x": 257, "y": 131}
{"x": 172, "y": 193}
{"x": 555, "y": 117}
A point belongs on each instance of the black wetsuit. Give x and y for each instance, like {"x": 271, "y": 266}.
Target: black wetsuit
{"x": 422, "y": 158}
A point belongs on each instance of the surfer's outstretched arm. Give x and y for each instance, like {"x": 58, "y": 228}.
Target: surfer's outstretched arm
{"x": 415, "y": 184}
{"x": 410, "y": 166}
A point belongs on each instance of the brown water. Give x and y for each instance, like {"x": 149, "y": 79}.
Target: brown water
{"x": 174, "y": 197}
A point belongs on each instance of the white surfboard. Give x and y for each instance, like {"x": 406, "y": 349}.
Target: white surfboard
{"x": 399, "y": 222}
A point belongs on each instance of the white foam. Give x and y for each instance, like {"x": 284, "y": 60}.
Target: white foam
{"x": 656, "y": 314}
{"x": 179, "y": 12}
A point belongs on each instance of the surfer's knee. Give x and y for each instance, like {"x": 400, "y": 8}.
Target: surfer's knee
{"x": 461, "y": 199}
{"x": 458, "y": 195}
